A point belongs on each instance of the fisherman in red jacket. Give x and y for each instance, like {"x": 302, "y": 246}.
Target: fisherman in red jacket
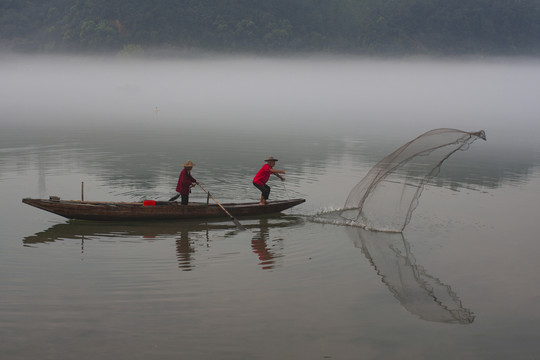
{"x": 262, "y": 177}
{"x": 185, "y": 182}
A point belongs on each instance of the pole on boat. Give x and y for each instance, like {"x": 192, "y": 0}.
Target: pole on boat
{"x": 222, "y": 208}
{"x": 82, "y": 191}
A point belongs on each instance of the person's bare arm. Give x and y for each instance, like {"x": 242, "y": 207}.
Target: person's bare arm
{"x": 277, "y": 172}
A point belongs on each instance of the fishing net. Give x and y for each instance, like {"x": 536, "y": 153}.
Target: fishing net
{"x": 386, "y": 197}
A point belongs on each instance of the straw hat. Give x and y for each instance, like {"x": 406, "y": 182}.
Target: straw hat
{"x": 271, "y": 158}
{"x": 189, "y": 164}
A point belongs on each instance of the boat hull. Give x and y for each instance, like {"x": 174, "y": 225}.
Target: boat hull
{"x": 162, "y": 210}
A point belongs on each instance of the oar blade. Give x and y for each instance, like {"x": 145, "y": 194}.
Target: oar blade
{"x": 238, "y": 225}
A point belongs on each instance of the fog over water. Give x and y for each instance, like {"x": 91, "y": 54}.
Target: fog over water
{"x": 292, "y": 94}
{"x": 459, "y": 283}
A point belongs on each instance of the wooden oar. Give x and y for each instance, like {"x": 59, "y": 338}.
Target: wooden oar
{"x": 226, "y": 212}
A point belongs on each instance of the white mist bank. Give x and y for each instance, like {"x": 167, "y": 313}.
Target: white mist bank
{"x": 261, "y": 93}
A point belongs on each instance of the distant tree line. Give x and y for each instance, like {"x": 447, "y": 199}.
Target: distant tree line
{"x": 334, "y": 26}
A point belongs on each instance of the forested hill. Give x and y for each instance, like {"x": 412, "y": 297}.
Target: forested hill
{"x": 450, "y": 27}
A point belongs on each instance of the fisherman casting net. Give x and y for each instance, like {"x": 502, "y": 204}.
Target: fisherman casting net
{"x": 386, "y": 197}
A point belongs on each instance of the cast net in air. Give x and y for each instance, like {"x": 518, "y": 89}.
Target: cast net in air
{"x": 386, "y": 197}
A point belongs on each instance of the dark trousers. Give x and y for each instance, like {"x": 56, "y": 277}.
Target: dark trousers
{"x": 185, "y": 199}
{"x": 265, "y": 190}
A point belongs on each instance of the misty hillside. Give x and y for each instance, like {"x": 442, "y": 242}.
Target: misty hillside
{"x": 449, "y": 27}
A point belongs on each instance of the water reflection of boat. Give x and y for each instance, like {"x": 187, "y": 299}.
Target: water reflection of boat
{"x": 188, "y": 235}
{"x": 154, "y": 210}
{"x": 417, "y": 291}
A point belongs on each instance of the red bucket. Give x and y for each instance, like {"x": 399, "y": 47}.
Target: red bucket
{"x": 149, "y": 202}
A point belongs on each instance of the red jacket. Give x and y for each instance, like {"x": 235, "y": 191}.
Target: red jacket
{"x": 184, "y": 182}
{"x": 263, "y": 175}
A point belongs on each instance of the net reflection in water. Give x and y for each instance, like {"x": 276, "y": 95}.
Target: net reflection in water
{"x": 417, "y": 291}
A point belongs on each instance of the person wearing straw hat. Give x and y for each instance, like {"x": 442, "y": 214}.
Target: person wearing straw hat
{"x": 185, "y": 182}
{"x": 262, "y": 176}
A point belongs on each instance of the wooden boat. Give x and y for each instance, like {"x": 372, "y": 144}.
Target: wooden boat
{"x": 154, "y": 210}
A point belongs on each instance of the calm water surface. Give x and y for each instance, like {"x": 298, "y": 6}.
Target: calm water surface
{"x": 460, "y": 282}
